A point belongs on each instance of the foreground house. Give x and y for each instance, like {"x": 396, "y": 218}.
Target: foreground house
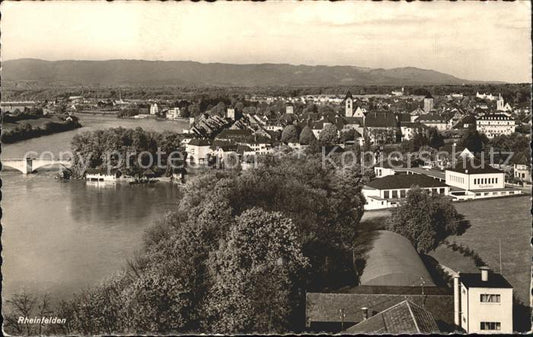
{"x": 483, "y": 302}
{"x": 388, "y": 191}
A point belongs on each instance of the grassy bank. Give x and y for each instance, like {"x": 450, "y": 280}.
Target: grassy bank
{"x": 492, "y": 220}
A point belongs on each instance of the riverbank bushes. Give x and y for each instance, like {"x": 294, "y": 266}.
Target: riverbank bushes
{"x": 26, "y": 130}
{"x": 236, "y": 255}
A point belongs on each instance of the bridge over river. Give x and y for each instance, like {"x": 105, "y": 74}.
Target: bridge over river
{"x": 29, "y": 165}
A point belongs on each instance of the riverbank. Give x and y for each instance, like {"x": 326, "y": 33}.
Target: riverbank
{"x": 31, "y": 128}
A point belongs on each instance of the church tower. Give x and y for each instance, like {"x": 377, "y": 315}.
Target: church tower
{"x": 428, "y": 103}
{"x": 348, "y": 105}
{"x": 500, "y": 103}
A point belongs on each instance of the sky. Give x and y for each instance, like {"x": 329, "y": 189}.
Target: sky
{"x": 471, "y": 40}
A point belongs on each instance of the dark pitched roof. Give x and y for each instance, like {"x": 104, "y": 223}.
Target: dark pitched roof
{"x": 380, "y": 119}
{"x": 348, "y": 95}
{"x": 354, "y": 120}
{"x": 404, "y": 181}
{"x": 234, "y": 133}
{"x": 404, "y": 317}
{"x": 473, "y": 166}
{"x": 432, "y": 118}
{"x": 200, "y": 142}
{"x": 473, "y": 280}
{"x": 224, "y": 145}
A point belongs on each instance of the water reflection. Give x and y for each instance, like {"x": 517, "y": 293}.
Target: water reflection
{"x": 60, "y": 237}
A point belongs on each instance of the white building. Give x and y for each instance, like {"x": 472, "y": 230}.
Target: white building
{"x": 428, "y": 103}
{"x": 154, "y": 109}
{"x": 435, "y": 121}
{"x": 489, "y": 97}
{"x": 388, "y": 191}
{"x": 493, "y": 125}
{"x": 197, "y": 151}
{"x": 522, "y": 172}
{"x": 173, "y": 113}
{"x": 483, "y": 303}
{"x": 289, "y": 109}
{"x": 473, "y": 179}
{"x": 230, "y": 113}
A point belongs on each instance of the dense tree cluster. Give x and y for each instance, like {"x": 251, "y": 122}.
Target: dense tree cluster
{"x": 426, "y": 219}
{"x": 131, "y": 151}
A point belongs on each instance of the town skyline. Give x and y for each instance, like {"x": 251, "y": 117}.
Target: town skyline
{"x": 487, "y": 36}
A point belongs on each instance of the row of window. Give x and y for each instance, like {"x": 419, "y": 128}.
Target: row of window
{"x": 490, "y": 325}
{"x": 456, "y": 179}
{"x": 485, "y": 181}
{"x": 403, "y": 193}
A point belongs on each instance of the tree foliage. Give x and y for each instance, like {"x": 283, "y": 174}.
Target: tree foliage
{"x": 426, "y": 220}
{"x": 328, "y": 135}
{"x": 289, "y": 134}
{"x": 307, "y": 136}
{"x": 254, "y": 272}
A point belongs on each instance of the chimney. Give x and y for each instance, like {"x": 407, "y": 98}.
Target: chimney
{"x": 365, "y": 313}
{"x": 484, "y": 273}
{"x": 456, "y": 300}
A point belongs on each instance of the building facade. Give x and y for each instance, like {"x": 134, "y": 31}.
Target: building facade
{"x": 198, "y": 151}
{"x": 522, "y": 172}
{"x": 389, "y": 191}
{"x": 493, "y": 125}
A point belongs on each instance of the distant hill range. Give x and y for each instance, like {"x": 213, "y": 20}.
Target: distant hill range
{"x": 36, "y": 73}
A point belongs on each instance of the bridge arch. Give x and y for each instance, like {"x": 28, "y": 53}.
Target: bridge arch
{"x": 29, "y": 165}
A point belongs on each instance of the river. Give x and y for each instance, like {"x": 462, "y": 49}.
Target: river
{"x": 61, "y": 237}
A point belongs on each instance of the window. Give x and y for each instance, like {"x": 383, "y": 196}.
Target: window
{"x": 395, "y": 194}
{"x": 442, "y": 191}
{"x": 490, "y": 326}
{"x": 386, "y": 194}
{"x": 403, "y": 193}
{"x": 490, "y": 298}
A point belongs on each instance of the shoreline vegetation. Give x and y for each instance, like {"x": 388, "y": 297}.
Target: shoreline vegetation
{"x": 32, "y": 123}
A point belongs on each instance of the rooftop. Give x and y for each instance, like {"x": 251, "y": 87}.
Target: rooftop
{"x": 432, "y": 118}
{"x": 404, "y": 317}
{"x": 473, "y": 280}
{"x": 200, "y": 142}
{"x": 473, "y": 166}
{"x": 404, "y": 181}
{"x": 381, "y": 119}
{"x": 325, "y": 307}
{"x": 428, "y": 172}
{"x": 393, "y": 261}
